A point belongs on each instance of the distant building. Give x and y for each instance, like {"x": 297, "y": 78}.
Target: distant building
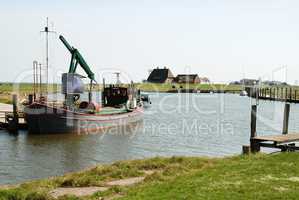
{"x": 204, "y": 80}
{"x": 235, "y": 83}
{"x": 158, "y": 75}
{"x": 247, "y": 81}
{"x": 275, "y": 83}
{"x": 187, "y": 78}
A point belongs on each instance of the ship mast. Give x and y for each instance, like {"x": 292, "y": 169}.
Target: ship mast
{"x": 47, "y": 31}
{"x": 117, "y": 78}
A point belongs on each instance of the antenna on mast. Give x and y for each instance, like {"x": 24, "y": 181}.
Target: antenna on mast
{"x": 47, "y": 31}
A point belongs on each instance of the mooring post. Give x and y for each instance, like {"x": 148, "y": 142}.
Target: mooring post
{"x": 286, "y": 113}
{"x": 13, "y": 124}
{"x": 265, "y": 92}
{"x": 270, "y": 93}
{"x": 103, "y": 93}
{"x": 30, "y": 98}
{"x": 295, "y": 95}
{"x": 254, "y": 145}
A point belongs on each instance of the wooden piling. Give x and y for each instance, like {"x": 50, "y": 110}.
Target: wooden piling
{"x": 254, "y": 146}
{"x": 14, "y": 122}
{"x": 253, "y": 121}
{"x": 286, "y": 114}
{"x": 271, "y": 93}
{"x": 245, "y": 149}
{"x": 30, "y": 98}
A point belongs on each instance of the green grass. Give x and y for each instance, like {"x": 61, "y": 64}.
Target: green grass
{"x": 257, "y": 177}
{"x": 155, "y": 87}
{"x": 22, "y": 89}
{"x": 260, "y": 176}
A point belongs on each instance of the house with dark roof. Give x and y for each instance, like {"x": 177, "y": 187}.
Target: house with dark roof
{"x": 187, "y": 78}
{"x": 204, "y": 80}
{"x": 158, "y": 75}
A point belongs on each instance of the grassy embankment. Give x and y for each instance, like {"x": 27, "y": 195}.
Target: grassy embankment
{"x": 152, "y": 87}
{"x": 22, "y": 89}
{"x": 258, "y": 176}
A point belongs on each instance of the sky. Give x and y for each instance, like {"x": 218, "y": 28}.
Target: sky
{"x": 222, "y": 40}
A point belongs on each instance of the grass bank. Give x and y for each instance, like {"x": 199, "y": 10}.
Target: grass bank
{"x": 258, "y": 176}
{"x": 154, "y": 87}
{"x": 22, "y": 89}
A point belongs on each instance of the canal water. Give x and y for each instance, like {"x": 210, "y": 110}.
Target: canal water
{"x": 175, "y": 124}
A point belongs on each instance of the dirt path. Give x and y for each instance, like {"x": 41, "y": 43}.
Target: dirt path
{"x": 87, "y": 191}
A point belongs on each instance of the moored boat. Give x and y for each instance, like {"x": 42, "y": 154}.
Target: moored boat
{"x": 120, "y": 105}
{"x": 44, "y": 119}
{"x": 243, "y": 93}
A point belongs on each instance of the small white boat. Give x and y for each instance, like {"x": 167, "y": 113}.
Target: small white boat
{"x": 243, "y": 93}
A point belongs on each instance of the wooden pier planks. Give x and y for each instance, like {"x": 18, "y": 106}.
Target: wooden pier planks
{"x": 284, "y": 94}
{"x": 7, "y": 109}
{"x": 285, "y": 142}
{"x": 279, "y": 139}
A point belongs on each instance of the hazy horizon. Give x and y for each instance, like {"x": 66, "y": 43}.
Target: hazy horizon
{"x": 222, "y": 40}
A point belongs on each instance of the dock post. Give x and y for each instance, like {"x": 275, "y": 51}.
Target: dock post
{"x": 295, "y": 95}
{"x": 102, "y": 94}
{"x": 270, "y": 93}
{"x": 30, "y": 98}
{"x": 14, "y": 122}
{"x": 245, "y": 149}
{"x": 286, "y": 113}
{"x": 254, "y": 145}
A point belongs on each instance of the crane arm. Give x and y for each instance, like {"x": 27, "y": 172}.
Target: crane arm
{"x": 76, "y": 59}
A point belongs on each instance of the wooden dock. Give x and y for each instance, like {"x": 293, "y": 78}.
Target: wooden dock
{"x": 279, "y": 139}
{"x": 284, "y": 142}
{"x": 285, "y": 94}
{"x": 7, "y": 116}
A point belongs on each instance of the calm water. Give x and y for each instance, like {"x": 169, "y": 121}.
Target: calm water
{"x": 175, "y": 124}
